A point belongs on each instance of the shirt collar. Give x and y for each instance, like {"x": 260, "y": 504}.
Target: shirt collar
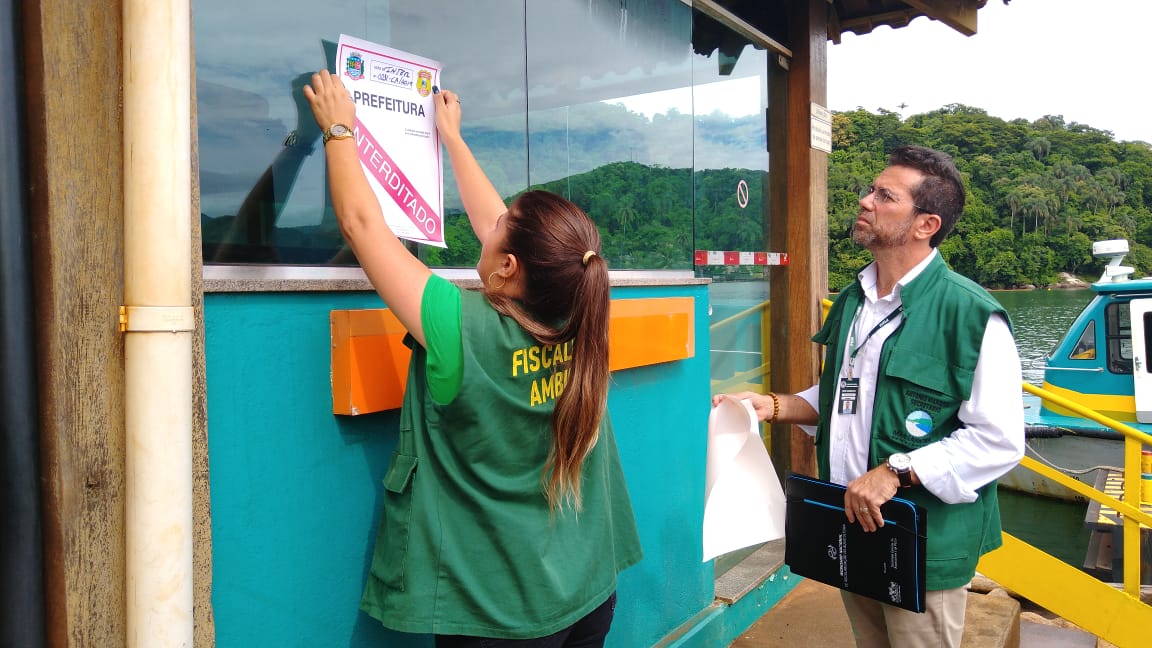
{"x": 867, "y": 278}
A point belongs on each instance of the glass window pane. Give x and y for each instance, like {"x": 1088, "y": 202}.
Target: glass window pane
{"x": 262, "y": 175}
{"x": 730, "y": 165}
{"x": 1147, "y": 339}
{"x": 1085, "y": 348}
{"x": 609, "y": 121}
{"x": 1118, "y": 325}
{"x": 612, "y": 104}
{"x": 731, "y": 152}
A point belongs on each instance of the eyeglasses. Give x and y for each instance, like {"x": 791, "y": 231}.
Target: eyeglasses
{"x": 886, "y": 197}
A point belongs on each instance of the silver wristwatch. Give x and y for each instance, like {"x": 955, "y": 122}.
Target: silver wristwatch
{"x": 901, "y": 464}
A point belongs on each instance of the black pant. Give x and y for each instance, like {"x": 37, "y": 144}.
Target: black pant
{"x": 588, "y": 632}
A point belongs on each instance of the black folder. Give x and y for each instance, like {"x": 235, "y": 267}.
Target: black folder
{"x": 820, "y": 543}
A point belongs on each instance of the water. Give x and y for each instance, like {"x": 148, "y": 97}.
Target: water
{"x": 1039, "y": 320}
{"x": 1051, "y": 525}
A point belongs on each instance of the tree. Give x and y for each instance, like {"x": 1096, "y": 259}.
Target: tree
{"x": 1039, "y": 146}
{"x": 997, "y": 263}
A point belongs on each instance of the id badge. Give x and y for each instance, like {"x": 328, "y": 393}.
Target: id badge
{"x": 849, "y": 393}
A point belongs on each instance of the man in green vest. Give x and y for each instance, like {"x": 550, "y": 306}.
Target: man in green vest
{"x": 919, "y": 396}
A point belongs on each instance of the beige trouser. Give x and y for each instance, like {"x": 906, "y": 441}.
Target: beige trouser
{"x": 877, "y": 625}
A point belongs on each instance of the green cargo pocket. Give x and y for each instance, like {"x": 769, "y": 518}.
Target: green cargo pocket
{"x": 390, "y": 557}
{"x": 399, "y": 475}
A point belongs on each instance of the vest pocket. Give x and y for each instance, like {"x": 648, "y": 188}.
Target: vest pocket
{"x": 954, "y": 531}
{"x": 390, "y": 558}
{"x": 933, "y": 372}
{"x": 399, "y": 475}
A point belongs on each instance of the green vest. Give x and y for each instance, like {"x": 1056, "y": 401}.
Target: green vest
{"x": 467, "y": 544}
{"x": 926, "y": 371}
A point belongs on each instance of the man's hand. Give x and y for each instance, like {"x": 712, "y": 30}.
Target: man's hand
{"x": 866, "y": 493}
{"x": 761, "y": 403}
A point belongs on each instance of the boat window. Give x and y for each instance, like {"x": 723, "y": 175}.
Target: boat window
{"x": 1119, "y": 338}
{"x": 1085, "y": 348}
{"x": 1147, "y": 337}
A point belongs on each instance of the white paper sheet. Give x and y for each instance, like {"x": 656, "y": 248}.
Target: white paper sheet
{"x": 396, "y": 134}
{"x": 744, "y": 503}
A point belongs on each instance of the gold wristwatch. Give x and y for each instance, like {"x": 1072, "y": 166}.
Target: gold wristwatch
{"x": 337, "y": 131}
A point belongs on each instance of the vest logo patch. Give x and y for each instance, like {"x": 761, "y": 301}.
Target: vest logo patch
{"x": 918, "y": 423}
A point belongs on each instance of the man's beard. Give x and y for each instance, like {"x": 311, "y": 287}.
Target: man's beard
{"x": 883, "y": 238}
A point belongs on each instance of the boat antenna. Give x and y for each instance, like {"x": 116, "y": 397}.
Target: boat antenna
{"x": 1114, "y": 251}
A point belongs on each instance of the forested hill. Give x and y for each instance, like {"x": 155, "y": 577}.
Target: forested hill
{"x": 1039, "y": 193}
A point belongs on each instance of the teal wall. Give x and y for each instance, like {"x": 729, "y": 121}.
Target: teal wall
{"x": 295, "y": 489}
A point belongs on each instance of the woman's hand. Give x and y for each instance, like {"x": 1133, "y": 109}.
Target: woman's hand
{"x": 447, "y": 113}
{"x": 481, "y": 200}
{"x": 331, "y": 102}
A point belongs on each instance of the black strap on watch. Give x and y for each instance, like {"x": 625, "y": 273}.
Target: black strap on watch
{"x": 901, "y": 464}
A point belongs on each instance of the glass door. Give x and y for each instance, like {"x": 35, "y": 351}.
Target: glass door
{"x": 730, "y": 169}
{"x": 730, "y": 181}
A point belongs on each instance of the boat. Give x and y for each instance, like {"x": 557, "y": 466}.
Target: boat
{"x": 1102, "y": 363}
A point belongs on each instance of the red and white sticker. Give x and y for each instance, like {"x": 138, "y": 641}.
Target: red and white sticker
{"x": 733, "y": 258}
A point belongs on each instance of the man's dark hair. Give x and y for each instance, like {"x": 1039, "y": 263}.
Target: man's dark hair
{"x": 941, "y": 192}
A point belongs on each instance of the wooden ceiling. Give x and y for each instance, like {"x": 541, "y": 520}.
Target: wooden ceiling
{"x": 862, "y": 16}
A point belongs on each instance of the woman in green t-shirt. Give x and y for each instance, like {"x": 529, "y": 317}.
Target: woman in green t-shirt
{"x": 506, "y": 516}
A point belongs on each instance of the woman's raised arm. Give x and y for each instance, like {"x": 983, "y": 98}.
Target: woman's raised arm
{"x": 481, "y": 200}
{"x": 398, "y": 276}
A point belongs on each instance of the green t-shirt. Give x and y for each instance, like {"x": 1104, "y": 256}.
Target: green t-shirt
{"x": 440, "y": 317}
{"x": 467, "y": 544}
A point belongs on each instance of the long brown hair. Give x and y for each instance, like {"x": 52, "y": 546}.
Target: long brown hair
{"x": 566, "y": 297}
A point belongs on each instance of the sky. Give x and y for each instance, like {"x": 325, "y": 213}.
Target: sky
{"x": 1088, "y": 60}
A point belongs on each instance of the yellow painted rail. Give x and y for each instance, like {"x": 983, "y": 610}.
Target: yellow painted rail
{"x": 1058, "y": 587}
{"x": 1115, "y": 615}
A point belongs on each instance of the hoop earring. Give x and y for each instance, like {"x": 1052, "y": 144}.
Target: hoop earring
{"x": 490, "y": 286}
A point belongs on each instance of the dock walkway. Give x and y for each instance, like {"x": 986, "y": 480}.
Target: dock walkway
{"x": 812, "y": 616}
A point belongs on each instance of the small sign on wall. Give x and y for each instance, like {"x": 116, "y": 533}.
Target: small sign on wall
{"x": 821, "y": 128}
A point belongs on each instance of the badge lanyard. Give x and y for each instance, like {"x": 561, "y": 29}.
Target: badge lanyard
{"x": 850, "y": 386}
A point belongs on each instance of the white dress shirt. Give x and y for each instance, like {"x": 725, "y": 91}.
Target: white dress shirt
{"x": 991, "y": 439}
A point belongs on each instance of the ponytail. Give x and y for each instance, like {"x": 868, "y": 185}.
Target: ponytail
{"x": 566, "y": 281}
{"x": 580, "y": 408}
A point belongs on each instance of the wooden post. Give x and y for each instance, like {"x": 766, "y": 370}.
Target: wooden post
{"x": 799, "y": 225}
{"x": 73, "y": 73}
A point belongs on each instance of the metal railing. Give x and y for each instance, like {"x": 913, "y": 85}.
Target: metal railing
{"x": 1134, "y": 440}
{"x": 1115, "y": 615}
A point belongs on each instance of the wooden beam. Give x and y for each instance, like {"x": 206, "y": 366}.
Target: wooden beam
{"x": 73, "y": 68}
{"x": 798, "y": 223}
{"x": 718, "y": 13}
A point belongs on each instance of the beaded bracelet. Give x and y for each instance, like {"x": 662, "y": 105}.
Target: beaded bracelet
{"x": 775, "y": 406}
